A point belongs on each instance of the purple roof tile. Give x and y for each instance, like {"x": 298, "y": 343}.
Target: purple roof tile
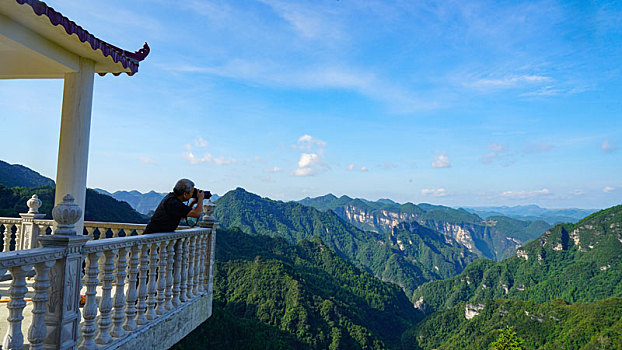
{"x": 127, "y": 59}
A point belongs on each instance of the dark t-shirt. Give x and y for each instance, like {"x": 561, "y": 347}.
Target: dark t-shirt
{"x": 167, "y": 215}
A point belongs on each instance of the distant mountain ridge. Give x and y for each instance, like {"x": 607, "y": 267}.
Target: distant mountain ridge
{"x": 494, "y": 238}
{"x": 16, "y": 175}
{"x": 579, "y": 262}
{"x": 409, "y": 255}
{"x": 533, "y": 212}
{"x": 141, "y": 202}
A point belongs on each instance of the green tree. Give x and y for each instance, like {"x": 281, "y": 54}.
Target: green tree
{"x": 508, "y": 340}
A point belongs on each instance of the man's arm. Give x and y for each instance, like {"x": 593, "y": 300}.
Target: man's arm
{"x": 198, "y": 209}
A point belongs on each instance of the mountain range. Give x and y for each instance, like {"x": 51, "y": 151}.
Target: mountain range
{"x": 16, "y": 175}
{"x": 144, "y": 203}
{"x": 533, "y": 213}
{"x": 409, "y": 255}
{"x": 494, "y": 238}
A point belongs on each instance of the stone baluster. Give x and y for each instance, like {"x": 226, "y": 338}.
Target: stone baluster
{"x": 141, "y": 319}
{"x": 168, "y": 293}
{"x": 153, "y": 266}
{"x": 202, "y": 238}
{"x": 139, "y": 231}
{"x": 105, "y": 304}
{"x": 161, "y": 307}
{"x": 212, "y": 260}
{"x": 183, "y": 286}
{"x": 14, "y": 339}
{"x": 115, "y": 232}
{"x": 89, "y": 312}
{"x": 209, "y": 222}
{"x": 177, "y": 272}
{"x": 191, "y": 253}
{"x": 118, "y": 315}
{"x": 197, "y": 267}
{"x": 62, "y": 316}
{"x": 90, "y": 230}
{"x": 7, "y": 237}
{"x": 37, "y": 331}
{"x": 132, "y": 294}
{"x": 18, "y": 236}
{"x": 27, "y": 236}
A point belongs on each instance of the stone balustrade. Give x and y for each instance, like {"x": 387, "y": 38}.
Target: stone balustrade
{"x": 129, "y": 284}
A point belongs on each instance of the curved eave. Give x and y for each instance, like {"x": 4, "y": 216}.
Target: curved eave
{"x": 45, "y": 25}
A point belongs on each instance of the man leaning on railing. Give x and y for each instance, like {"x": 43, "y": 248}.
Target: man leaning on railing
{"x": 172, "y": 209}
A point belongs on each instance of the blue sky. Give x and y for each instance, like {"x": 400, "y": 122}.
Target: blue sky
{"x": 461, "y": 103}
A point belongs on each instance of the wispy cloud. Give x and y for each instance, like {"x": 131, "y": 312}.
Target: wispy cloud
{"x": 608, "y": 189}
{"x": 608, "y": 146}
{"x": 209, "y": 158}
{"x": 354, "y": 167}
{"x": 525, "y": 194}
{"x": 275, "y": 169}
{"x": 305, "y": 142}
{"x": 505, "y": 82}
{"x": 435, "y": 192}
{"x": 441, "y": 161}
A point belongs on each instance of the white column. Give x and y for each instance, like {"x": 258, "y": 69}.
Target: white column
{"x": 73, "y": 149}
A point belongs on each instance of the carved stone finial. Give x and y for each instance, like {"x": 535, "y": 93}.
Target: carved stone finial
{"x": 34, "y": 204}
{"x": 208, "y": 210}
{"x": 66, "y": 214}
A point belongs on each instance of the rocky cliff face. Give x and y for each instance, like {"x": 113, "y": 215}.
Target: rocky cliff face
{"x": 375, "y": 220}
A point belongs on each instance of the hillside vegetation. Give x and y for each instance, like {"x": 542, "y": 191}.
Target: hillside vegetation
{"x": 272, "y": 294}
{"x": 579, "y": 262}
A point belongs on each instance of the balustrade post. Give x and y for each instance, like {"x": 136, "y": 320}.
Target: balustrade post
{"x": 190, "y": 281}
{"x": 168, "y": 293}
{"x": 177, "y": 272}
{"x": 210, "y": 254}
{"x": 197, "y": 262}
{"x": 27, "y": 236}
{"x": 132, "y": 295}
{"x": 89, "y": 312}
{"x": 14, "y": 339}
{"x": 141, "y": 319}
{"x": 37, "y": 331}
{"x": 153, "y": 266}
{"x": 183, "y": 296}
{"x": 63, "y": 312}
{"x": 7, "y": 237}
{"x": 118, "y": 316}
{"x": 161, "y": 307}
{"x": 105, "y": 304}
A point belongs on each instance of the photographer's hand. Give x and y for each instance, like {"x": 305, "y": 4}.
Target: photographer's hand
{"x": 198, "y": 209}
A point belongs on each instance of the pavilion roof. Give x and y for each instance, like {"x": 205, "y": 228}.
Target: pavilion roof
{"x": 50, "y": 24}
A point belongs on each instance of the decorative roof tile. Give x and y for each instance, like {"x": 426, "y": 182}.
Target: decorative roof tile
{"x": 129, "y": 60}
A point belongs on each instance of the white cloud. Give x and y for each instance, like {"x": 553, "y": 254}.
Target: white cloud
{"x": 303, "y": 172}
{"x": 353, "y": 167}
{"x": 306, "y": 141}
{"x": 308, "y": 159}
{"x": 608, "y": 146}
{"x": 442, "y": 161}
{"x": 505, "y": 82}
{"x": 276, "y": 169}
{"x": 608, "y": 189}
{"x": 525, "y": 194}
{"x": 438, "y": 192}
{"x": 200, "y": 142}
{"x": 389, "y": 165}
{"x": 209, "y": 158}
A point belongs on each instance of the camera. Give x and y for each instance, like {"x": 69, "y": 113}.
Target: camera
{"x": 195, "y": 194}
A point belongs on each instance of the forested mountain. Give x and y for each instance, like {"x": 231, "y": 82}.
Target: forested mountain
{"x": 144, "y": 203}
{"x": 551, "y": 325}
{"x": 494, "y": 238}
{"x": 269, "y": 294}
{"x": 579, "y": 262}
{"x": 16, "y": 175}
{"x": 409, "y": 255}
{"x": 99, "y": 207}
{"x": 533, "y": 213}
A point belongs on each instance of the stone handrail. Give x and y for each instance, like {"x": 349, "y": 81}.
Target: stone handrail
{"x": 19, "y": 264}
{"x": 154, "y": 277}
